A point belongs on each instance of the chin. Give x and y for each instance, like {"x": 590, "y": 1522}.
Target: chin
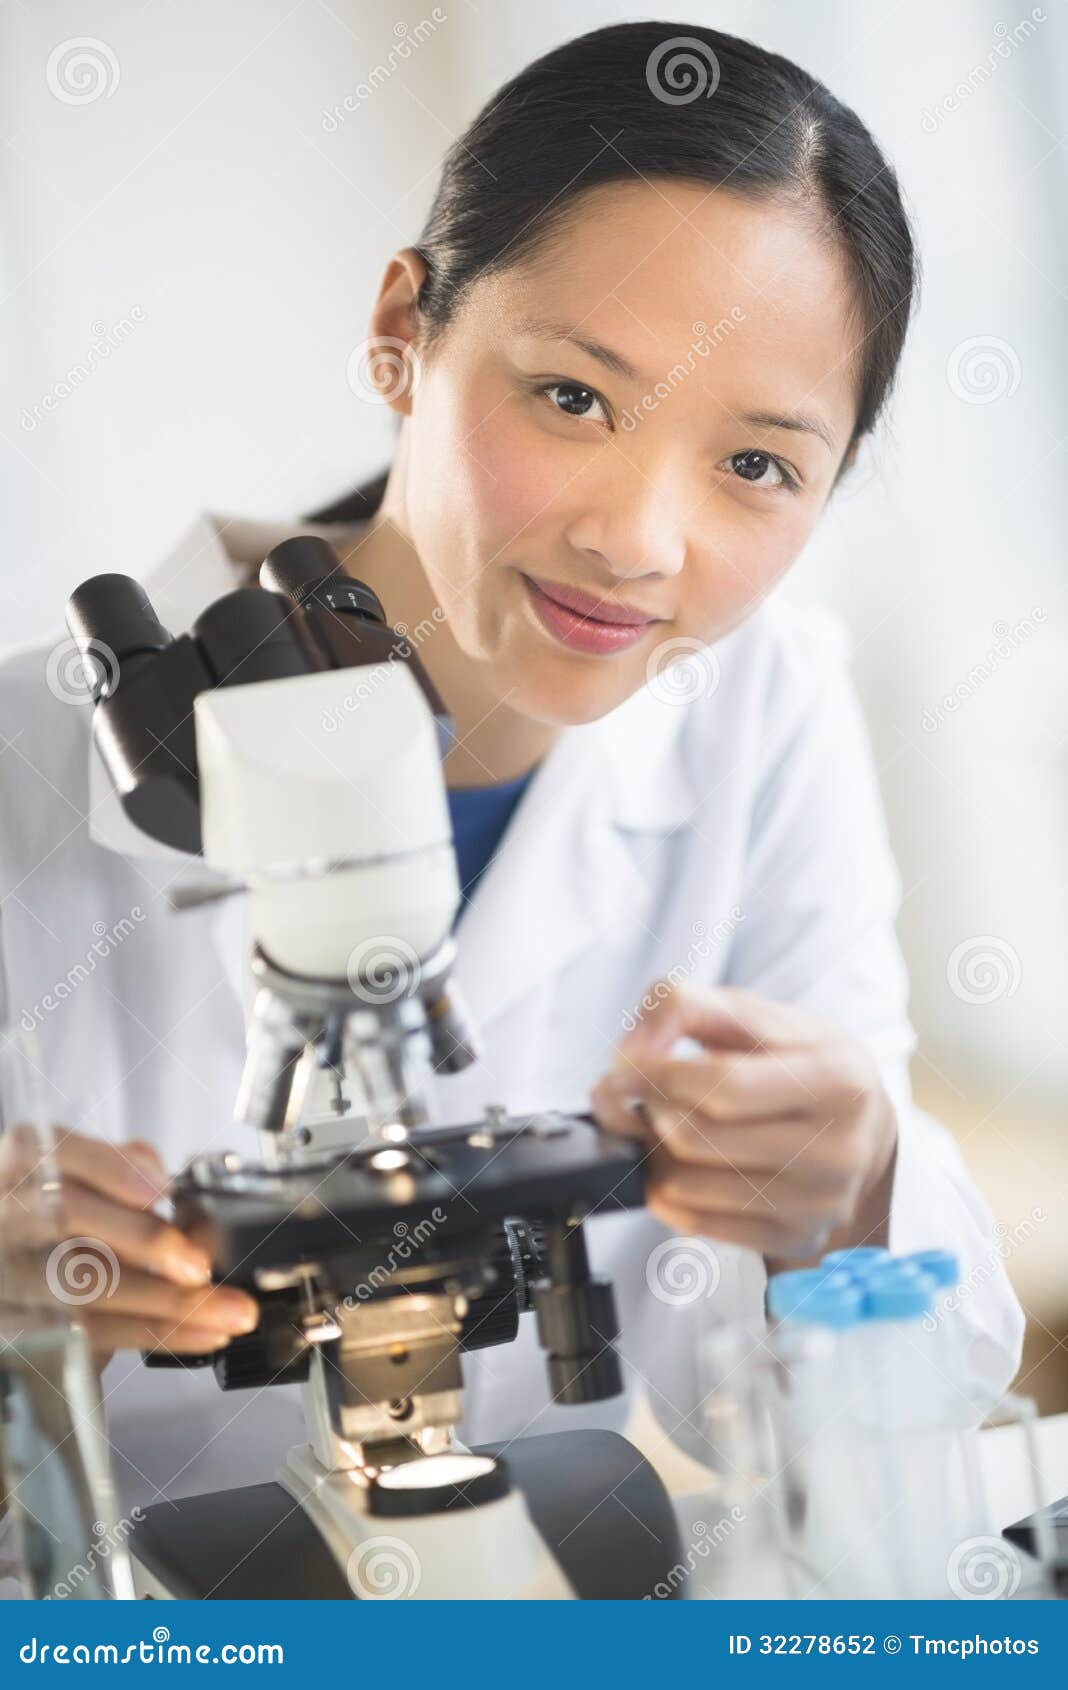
{"x": 563, "y": 695}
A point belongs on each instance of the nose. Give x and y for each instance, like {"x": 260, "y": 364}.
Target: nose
{"x": 632, "y": 521}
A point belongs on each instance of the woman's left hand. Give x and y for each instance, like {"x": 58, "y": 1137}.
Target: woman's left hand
{"x": 778, "y": 1136}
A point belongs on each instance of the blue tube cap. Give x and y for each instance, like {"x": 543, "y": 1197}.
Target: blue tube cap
{"x": 942, "y": 1265}
{"x": 859, "y": 1258}
{"x": 789, "y": 1289}
{"x": 821, "y": 1305}
{"x": 898, "y": 1296}
{"x": 897, "y": 1268}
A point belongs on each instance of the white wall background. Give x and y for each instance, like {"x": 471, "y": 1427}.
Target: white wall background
{"x": 200, "y": 221}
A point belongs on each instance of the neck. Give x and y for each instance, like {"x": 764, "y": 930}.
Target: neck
{"x": 493, "y": 743}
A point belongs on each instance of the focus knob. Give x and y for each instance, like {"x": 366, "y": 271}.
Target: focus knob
{"x": 577, "y": 1326}
{"x": 277, "y": 1353}
{"x": 493, "y": 1318}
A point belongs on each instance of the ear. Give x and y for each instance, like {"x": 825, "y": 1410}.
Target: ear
{"x": 385, "y": 368}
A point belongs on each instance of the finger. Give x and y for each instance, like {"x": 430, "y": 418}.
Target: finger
{"x": 125, "y": 1332}
{"x": 807, "y": 1151}
{"x": 131, "y": 1173}
{"x": 742, "y": 1086}
{"x": 220, "y": 1308}
{"x": 21, "y": 1154}
{"x": 611, "y": 1109}
{"x": 88, "y": 1280}
{"x": 137, "y": 1237}
{"x": 749, "y": 1232}
{"x": 775, "y": 1197}
{"x": 146, "y": 1157}
{"x": 726, "y": 1017}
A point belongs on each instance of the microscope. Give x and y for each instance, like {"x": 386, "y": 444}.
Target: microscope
{"x": 380, "y": 1247}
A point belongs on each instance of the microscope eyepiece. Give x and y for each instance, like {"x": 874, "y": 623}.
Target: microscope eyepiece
{"x": 307, "y": 567}
{"x": 247, "y": 636}
{"x": 112, "y": 622}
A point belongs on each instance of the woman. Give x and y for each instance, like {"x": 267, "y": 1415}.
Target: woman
{"x": 658, "y": 303}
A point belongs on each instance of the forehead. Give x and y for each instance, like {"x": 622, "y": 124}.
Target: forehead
{"x": 637, "y": 265}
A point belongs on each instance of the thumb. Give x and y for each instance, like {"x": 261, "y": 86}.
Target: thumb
{"x": 718, "y": 1017}
{"x": 146, "y": 1157}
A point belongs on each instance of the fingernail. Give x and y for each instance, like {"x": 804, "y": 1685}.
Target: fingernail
{"x": 237, "y": 1316}
{"x": 622, "y": 1087}
{"x": 153, "y": 1185}
{"x": 189, "y": 1269}
{"x": 642, "y": 1114}
{"x": 145, "y": 1163}
{"x": 625, "y": 1071}
{"x": 606, "y": 1094}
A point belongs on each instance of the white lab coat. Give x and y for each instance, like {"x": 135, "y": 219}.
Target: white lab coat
{"x": 735, "y": 835}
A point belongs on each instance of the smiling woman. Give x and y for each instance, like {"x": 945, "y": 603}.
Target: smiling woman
{"x": 659, "y": 298}
{"x": 686, "y": 230}
{"x": 690, "y": 231}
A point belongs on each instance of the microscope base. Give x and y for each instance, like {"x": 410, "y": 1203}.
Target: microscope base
{"x": 432, "y": 1556}
{"x": 600, "y": 1509}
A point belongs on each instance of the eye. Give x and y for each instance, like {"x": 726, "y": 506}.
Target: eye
{"x": 754, "y": 466}
{"x": 572, "y": 399}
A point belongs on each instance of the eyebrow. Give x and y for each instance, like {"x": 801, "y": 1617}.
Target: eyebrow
{"x": 802, "y": 422}
{"x": 612, "y": 360}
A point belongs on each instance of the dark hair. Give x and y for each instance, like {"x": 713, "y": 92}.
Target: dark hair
{"x": 654, "y": 100}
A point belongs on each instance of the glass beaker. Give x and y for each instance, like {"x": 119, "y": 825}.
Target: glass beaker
{"x": 56, "y": 1493}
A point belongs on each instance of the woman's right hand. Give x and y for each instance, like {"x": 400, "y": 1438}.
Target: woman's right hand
{"x": 96, "y": 1250}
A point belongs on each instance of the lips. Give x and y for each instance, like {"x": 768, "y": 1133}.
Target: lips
{"x": 582, "y": 622}
{"x": 587, "y": 604}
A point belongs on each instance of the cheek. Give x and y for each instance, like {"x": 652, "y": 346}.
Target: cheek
{"x": 748, "y": 559}
{"x": 483, "y": 482}
{"x": 513, "y": 476}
